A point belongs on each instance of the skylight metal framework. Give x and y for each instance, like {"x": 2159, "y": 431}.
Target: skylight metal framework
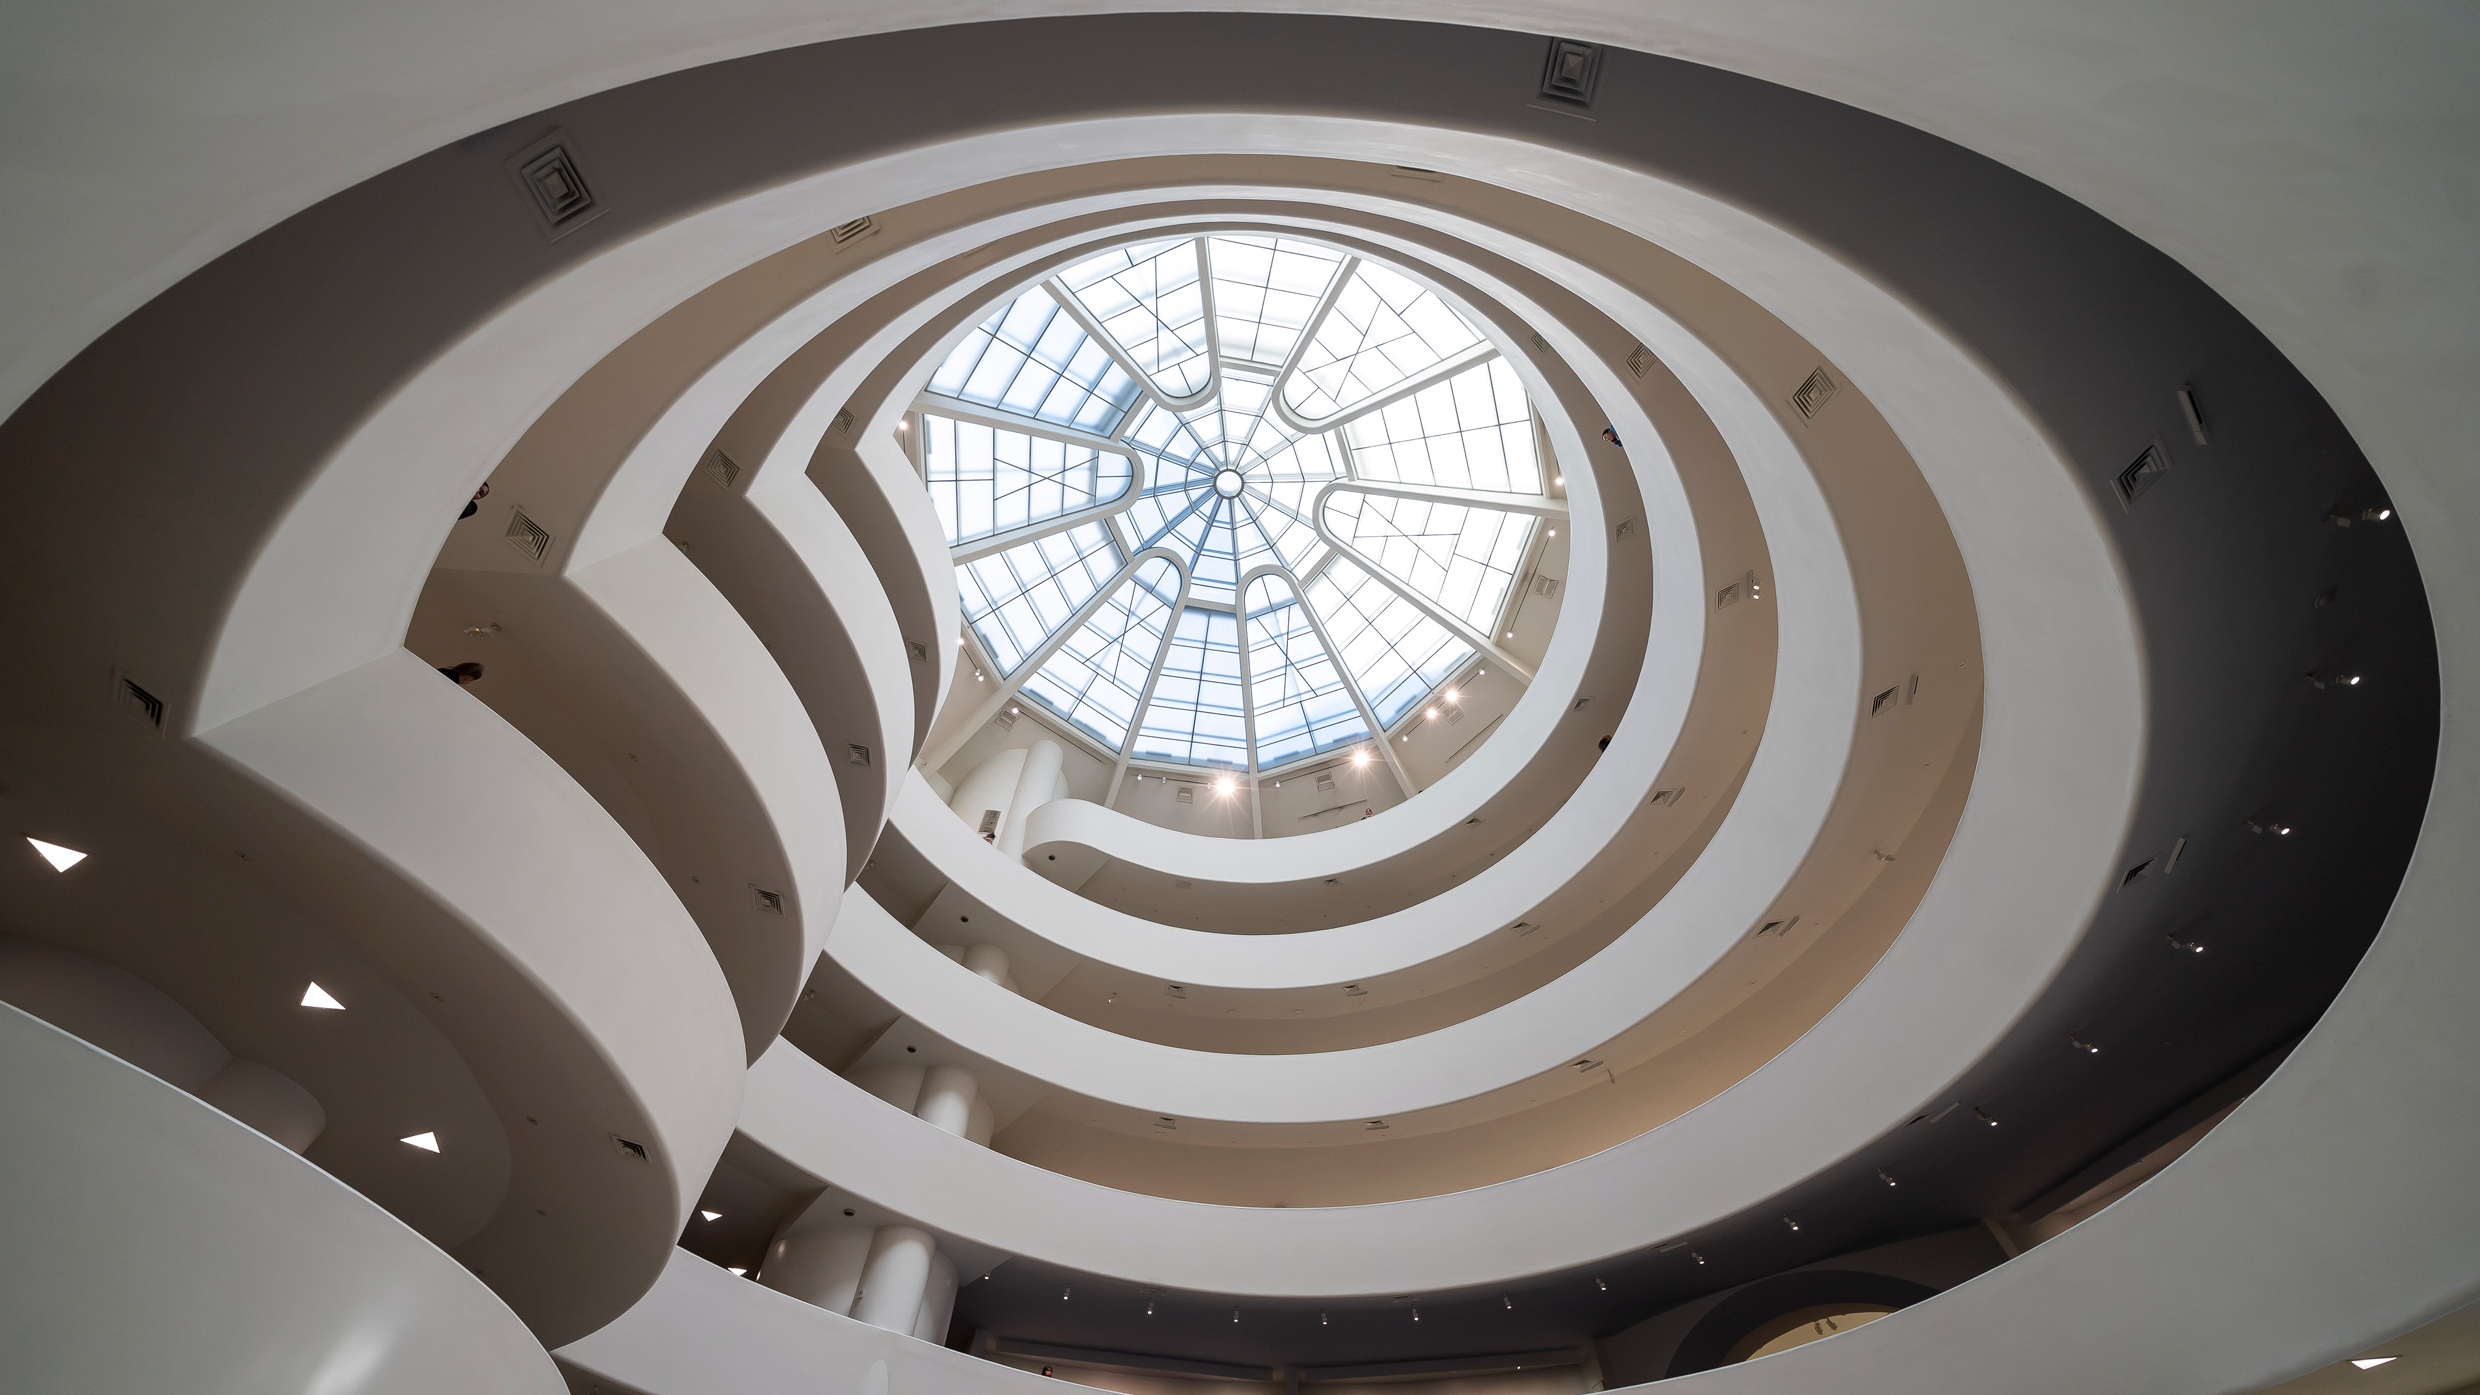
{"x": 1232, "y": 502}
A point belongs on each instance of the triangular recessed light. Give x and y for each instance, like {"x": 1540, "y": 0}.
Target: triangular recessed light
{"x": 319, "y": 997}
{"x": 712, "y": 1215}
{"x": 427, "y": 1142}
{"x": 740, "y": 1273}
{"x": 2369, "y": 1363}
{"x": 62, "y": 859}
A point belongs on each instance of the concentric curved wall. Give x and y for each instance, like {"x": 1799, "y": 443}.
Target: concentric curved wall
{"x": 1982, "y": 711}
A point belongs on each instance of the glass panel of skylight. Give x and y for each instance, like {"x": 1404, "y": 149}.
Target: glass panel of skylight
{"x": 1384, "y": 331}
{"x": 1096, "y": 678}
{"x": 1238, "y": 426}
{"x": 1473, "y": 431}
{"x": 1195, "y": 717}
{"x": 986, "y": 480}
{"x": 1301, "y": 704}
{"x": 1279, "y": 493}
{"x": 1033, "y": 357}
{"x": 1265, "y": 290}
{"x": 1152, "y": 300}
{"x": 1464, "y": 559}
{"x": 1016, "y": 599}
{"x": 1393, "y": 651}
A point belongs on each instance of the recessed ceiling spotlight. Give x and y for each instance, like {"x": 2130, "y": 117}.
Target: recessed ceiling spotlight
{"x": 1559, "y": 481}
{"x": 1885, "y": 1177}
{"x": 1361, "y": 756}
{"x": 1983, "y": 1115}
{"x": 62, "y": 859}
{"x": 1013, "y": 709}
{"x": 2084, "y": 1046}
{"x": 1597, "y": 1283}
{"x": 1507, "y": 1302}
{"x": 1063, "y": 1293}
{"x": 1235, "y": 1315}
{"x": 1321, "y": 1317}
{"x": 1697, "y": 1255}
{"x": 712, "y": 1215}
{"x": 2370, "y": 1363}
{"x": 1511, "y": 634}
{"x": 1554, "y": 532}
{"x": 2189, "y": 945}
{"x": 1795, "y": 1225}
{"x": 1416, "y": 1312}
{"x": 427, "y": 1142}
{"x": 737, "y": 1272}
{"x": 317, "y": 997}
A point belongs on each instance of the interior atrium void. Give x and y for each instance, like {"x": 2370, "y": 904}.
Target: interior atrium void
{"x": 931, "y": 698}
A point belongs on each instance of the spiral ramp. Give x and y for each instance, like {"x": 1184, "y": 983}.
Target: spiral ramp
{"x": 1238, "y": 700}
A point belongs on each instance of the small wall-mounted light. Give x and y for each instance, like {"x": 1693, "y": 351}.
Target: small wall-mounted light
{"x": 2370, "y": 1363}
{"x": 711, "y": 1215}
{"x": 62, "y": 859}
{"x": 1321, "y": 1317}
{"x": 2189, "y": 945}
{"x": 2084, "y": 1046}
{"x": 1597, "y": 1283}
{"x": 1697, "y": 1255}
{"x": 1983, "y": 1115}
{"x": 1235, "y": 1315}
{"x": 1506, "y": 1302}
{"x": 1795, "y": 1225}
{"x": 1063, "y": 1293}
{"x": 317, "y": 997}
{"x": 427, "y": 1142}
{"x": 1416, "y": 1313}
{"x": 1885, "y": 1177}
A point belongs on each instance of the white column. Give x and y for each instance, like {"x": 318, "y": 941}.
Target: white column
{"x": 938, "y": 1301}
{"x": 947, "y": 1095}
{"x": 894, "y": 1278}
{"x": 821, "y": 1266}
{"x": 989, "y": 788}
{"x": 990, "y": 961}
{"x": 1043, "y": 763}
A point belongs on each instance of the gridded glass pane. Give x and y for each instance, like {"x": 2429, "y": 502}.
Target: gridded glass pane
{"x": 1195, "y": 717}
{"x": 1301, "y": 704}
{"x": 1033, "y": 357}
{"x": 1219, "y": 537}
{"x": 1384, "y": 331}
{"x": 1473, "y": 431}
{"x": 1464, "y": 559}
{"x": 1016, "y": 599}
{"x": 1265, "y": 290}
{"x": 1393, "y": 651}
{"x": 1151, "y": 299}
{"x": 986, "y": 480}
{"x": 1097, "y": 677}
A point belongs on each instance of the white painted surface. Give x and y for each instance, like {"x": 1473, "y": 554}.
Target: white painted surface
{"x": 149, "y": 1243}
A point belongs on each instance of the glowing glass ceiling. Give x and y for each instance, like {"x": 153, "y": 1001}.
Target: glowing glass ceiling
{"x": 1151, "y": 468}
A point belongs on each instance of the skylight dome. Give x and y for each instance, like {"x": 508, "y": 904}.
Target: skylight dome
{"x": 1231, "y": 501}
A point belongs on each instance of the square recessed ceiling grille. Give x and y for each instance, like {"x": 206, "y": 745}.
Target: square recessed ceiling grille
{"x": 1570, "y": 72}
{"x": 1813, "y": 395}
{"x": 2141, "y": 475}
{"x": 1640, "y": 360}
{"x": 853, "y": 231}
{"x": 723, "y": 468}
{"x": 527, "y": 536}
{"x": 1187, "y": 794}
{"x": 555, "y": 187}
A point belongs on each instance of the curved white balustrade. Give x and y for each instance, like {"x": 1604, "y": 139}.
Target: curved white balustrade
{"x": 152, "y": 1243}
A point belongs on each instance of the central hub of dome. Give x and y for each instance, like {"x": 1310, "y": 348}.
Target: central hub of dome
{"x": 1227, "y": 483}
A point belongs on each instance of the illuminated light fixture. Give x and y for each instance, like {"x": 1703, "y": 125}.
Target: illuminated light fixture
{"x": 2370, "y": 1363}
{"x": 1235, "y": 1315}
{"x": 1554, "y": 532}
{"x": 1885, "y": 1177}
{"x": 1509, "y": 1303}
{"x": 2351, "y": 682}
{"x": 1321, "y": 1317}
{"x": 317, "y": 997}
{"x": 1361, "y": 756}
{"x": 1558, "y": 481}
{"x": 427, "y": 1142}
{"x": 62, "y": 859}
{"x": 1697, "y": 1255}
{"x": 2189, "y": 945}
{"x": 1223, "y": 786}
{"x": 1063, "y": 1293}
{"x": 1416, "y": 1313}
{"x": 1149, "y": 1307}
{"x": 712, "y": 1215}
{"x": 2084, "y": 1046}
{"x": 1511, "y": 634}
{"x": 737, "y": 1273}
{"x": 1433, "y": 712}
{"x": 1983, "y": 1115}
{"x": 1795, "y": 1225}
{"x": 1597, "y": 1283}
{"x": 1013, "y": 709}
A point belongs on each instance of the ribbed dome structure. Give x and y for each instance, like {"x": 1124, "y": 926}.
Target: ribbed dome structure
{"x": 901, "y": 701}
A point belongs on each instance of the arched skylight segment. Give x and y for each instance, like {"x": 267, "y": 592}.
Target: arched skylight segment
{"x": 1033, "y": 358}
{"x": 1096, "y": 678}
{"x": 1463, "y": 559}
{"x": 1296, "y": 692}
{"x": 1195, "y": 717}
{"x": 1384, "y": 331}
{"x": 1239, "y": 427}
{"x": 1393, "y": 651}
{"x": 1151, "y": 298}
{"x": 1160, "y": 431}
{"x": 986, "y": 480}
{"x": 1265, "y": 290}
{"x": 1015, "y": 600}
{"x": 1473, "y": 431}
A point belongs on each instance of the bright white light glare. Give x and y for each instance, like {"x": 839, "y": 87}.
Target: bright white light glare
{"x": 62, "y": 859}
{"x": 1554, "y": 532}
{"x": 1433, "y": 712}
{"x": 2353, "y": 680}
{"x": 2370, "y": 1363}
{"x": 1559, "y": 480}
{"x": 318, "y": 997}
{"x": 712, "y": 1215}
{"x": 427, "y": 1142}
{"x": 1360, "y": 758}
{"x": 1222, "y": 787}
{"x": 739, "y": 1273}
{"x": 1511, "y": 634}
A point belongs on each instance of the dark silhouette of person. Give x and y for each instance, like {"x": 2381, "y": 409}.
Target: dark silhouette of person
{"x": 463, "y": 674}
{"x": 1607, "y": 435}
{"x": 474, "y": 505}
